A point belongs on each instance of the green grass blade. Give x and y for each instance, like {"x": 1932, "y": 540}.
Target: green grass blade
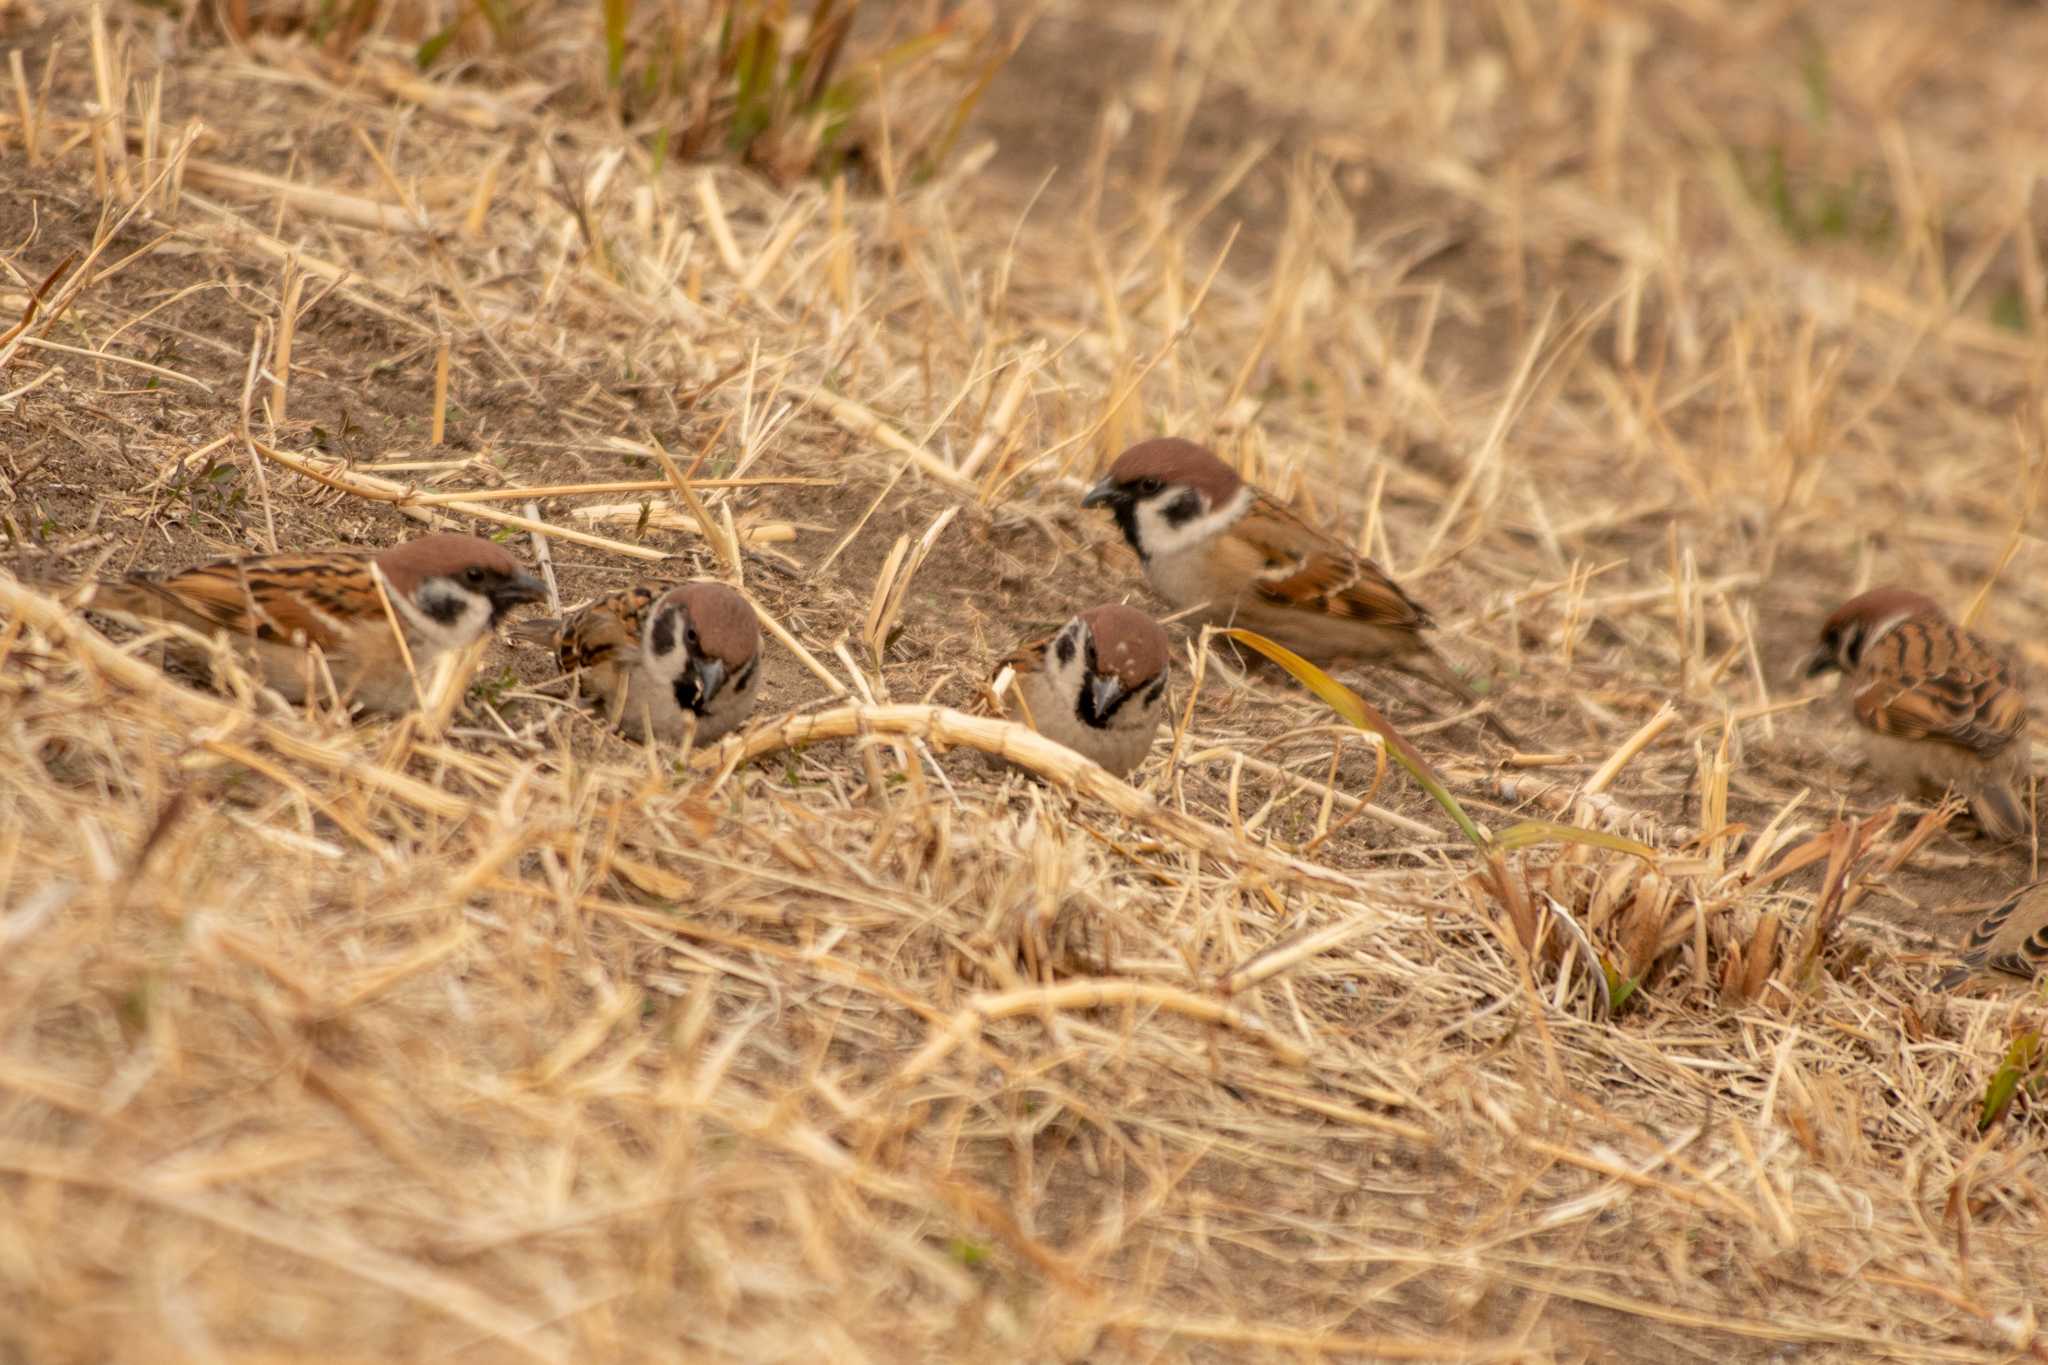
{"x": 496, "y": 17}
{"x": 617, "y": 14}
{"x": 433, "y": 46}
{"x": 962, "y": 111}
{"x": 1362, "y": 714}
{"x": 2005, "y": 1082}
{"x": 1619, "y": 988}
{"x": 1530, "y": 832}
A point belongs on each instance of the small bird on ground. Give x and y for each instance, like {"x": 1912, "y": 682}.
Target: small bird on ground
{"x": 665, "y": 660}
{"x": 445, "y": 592}
{"x": 1937, "y": 708}
{"x": 1097, "y": 686}
{"x": 2012, "y": 939}
{"x": 1208, "y": 539}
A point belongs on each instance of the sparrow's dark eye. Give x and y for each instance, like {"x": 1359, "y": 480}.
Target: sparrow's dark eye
{"x": 1145, "y": 488}
{"x": 473, "y": 575}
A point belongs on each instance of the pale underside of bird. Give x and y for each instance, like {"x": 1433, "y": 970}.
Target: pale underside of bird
{"x": 1097, "y": 685}
{"x": 322, "y": 623}
{"x": 1213, "y": 544}
{"x": 1936, "y": 708}
{"x": 666, "y": 663}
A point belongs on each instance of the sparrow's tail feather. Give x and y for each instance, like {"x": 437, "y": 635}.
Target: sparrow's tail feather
{"x": 1956, "y": 976}
{"x": 140, "y": 601}
{"x": 1429, "y": 666}
{"x": 1998, "y": 810}
{"x": 133, "y": 597}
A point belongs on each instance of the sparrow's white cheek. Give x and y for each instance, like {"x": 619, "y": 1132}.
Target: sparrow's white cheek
{"x": 663, "y": 650}
{"x": 1066, "y": 660}
{"x": 445, "y": 614}
{"x": 1166, "y": 527}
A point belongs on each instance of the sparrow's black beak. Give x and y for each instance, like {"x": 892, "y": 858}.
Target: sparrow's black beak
{"x": 515, "y": 591}
{"x": 1105, "y": 692}
{"x": 1105, "y": 494}
{"x": 700, "y": 684}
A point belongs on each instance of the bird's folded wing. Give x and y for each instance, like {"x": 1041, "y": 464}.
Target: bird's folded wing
{"x": 1292, "y": 564}
{"x": 1973, "y": 711}
{"x": 284, "y": 599}
{"x": 606, "y": 631}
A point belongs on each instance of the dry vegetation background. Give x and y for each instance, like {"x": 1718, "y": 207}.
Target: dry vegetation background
{"x": 1632, "y": 335}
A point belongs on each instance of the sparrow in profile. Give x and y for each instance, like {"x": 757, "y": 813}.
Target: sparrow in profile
{"x": 1937, "y": 708}
{"x": 445, "y": 593}
{"x": 664, "y": 660}
{"x": 2012, "y": 939}
{"x": 1097, "y": 686}
{"x": 1208, "y": 539}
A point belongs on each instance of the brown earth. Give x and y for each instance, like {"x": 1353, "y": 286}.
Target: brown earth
{"x": 1737, "y": 310}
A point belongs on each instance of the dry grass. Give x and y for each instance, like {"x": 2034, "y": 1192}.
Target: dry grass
{"x": 1629, "y": 335}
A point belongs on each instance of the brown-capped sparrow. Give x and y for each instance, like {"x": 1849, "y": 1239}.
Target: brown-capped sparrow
{"x": 1208, "y": 539}
{"x": 2012, "y": 939}
{"x": 665, "y": 660}
{"x": 1098, "y": 685}
{"x": 1937, "y": 708}
{"x": 445, "y": 592}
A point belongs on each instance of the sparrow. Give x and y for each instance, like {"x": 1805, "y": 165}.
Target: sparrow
{"x": 1209, "y": 540}
{"x": 445, "y": 593}
{"x": 2012, "y": 939}
{"x": 1937, "y": 708}
{"x": 666, "y": 660}
{"x": 1098, "y": 685}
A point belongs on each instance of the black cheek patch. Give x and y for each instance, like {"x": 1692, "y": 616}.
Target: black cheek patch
{"x": 1849, "y": 647}
{"x": 1158, "y": 691}
{"x": 1064, "y": 647}
{"x": 662, "y": 638}
{"x": 746, "y": 676}
{"x": 1127, "y": 522}
{"x": 1183, "y": 509}
{"x": 446, "y": 606}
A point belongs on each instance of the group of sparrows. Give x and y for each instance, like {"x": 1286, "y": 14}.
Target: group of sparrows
{"x": 1938, "y": 708}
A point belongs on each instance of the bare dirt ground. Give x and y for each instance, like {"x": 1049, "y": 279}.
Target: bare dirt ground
{"x": 1632, "y": 337}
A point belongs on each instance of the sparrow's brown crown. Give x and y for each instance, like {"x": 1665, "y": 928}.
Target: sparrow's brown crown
{"x": 726, "y": 626}
{"x": 1128, "y": 644}
{"x": 1167, "y": 462}
{"x": 475, "y": 563}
